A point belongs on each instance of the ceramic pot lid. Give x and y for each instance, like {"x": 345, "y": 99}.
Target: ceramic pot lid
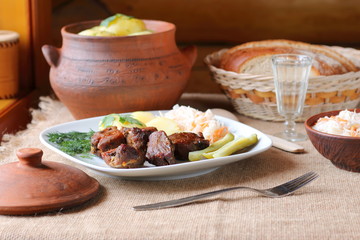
{"x": 34, "y": 186}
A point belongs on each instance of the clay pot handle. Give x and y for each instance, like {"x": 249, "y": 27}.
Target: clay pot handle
{"x": 51, "y": 54}
{"x": 190, "y": 53}
{"x": 30, "y": 156}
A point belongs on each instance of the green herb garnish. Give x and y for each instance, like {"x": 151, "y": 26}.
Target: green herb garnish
{"x": 118, "y": 120}
{"x": 73, "y": 142}
{"x": 107, "y": 121}
{"x": 127, "y": 119}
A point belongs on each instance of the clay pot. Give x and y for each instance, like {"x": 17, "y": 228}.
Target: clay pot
{"x": 95, "y": 76}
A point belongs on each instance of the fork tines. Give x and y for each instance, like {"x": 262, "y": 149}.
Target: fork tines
{"x": 301, "y": 181}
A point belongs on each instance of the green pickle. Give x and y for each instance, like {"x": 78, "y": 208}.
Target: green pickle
{"x": 233, "y": 146}
{"x": 198, "y": 155}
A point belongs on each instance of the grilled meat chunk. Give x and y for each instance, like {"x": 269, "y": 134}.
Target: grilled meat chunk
{"x": 106, "y": 139}
{"x": 124, "y": 156}
{"x": 160, "y": 150}
{"x": 138, "y": 137}
{"x": 186, "y": 142}
{"x": 108, "y": 156}
{"x": 130, "y": 147}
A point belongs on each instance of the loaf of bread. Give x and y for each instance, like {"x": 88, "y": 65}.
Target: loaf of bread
{"x": 255, "y": 57}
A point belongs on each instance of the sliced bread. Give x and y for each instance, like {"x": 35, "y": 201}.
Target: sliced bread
{"x": 255, "y": 57}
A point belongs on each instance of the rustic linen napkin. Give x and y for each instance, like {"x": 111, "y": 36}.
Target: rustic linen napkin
{"x": 328, "y": 208}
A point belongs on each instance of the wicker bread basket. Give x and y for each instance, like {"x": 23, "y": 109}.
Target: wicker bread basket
{"x": 254, "y": 95}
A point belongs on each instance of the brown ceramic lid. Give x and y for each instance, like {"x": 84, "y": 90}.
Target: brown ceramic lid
{"x": 34, "y": 186}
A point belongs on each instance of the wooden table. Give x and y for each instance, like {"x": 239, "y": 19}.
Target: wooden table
{"x": 328, "y": 208}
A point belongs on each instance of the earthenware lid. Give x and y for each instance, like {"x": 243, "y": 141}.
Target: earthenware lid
{"x": 33, "y": 186}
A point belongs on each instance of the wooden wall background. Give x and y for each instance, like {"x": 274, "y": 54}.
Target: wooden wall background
{"x": 217, "y": 24}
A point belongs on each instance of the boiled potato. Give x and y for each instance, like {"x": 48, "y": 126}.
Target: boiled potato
{"x": 123, "y": 25}
{"x": 141, "y": 33}
{"x": 96, "y": 31}
{"x": 143, "y": 116}
{"x": 118, "y": 25}
{"x": 167, "y": 125}
{"x": 88, "y": 32}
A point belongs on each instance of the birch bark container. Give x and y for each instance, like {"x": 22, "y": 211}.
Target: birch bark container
{"x": 9, "y": 64}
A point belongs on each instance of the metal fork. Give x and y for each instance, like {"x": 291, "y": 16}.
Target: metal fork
{"x": 275, "y": 192}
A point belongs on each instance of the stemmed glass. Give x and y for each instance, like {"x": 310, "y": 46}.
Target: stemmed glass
{"x": 291, "y": 75}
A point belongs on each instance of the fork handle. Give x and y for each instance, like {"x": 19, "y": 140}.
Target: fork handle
{"x": 190, "y": 199}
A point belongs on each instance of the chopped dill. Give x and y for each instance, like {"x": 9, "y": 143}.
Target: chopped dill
{"x": 72, "y": 143}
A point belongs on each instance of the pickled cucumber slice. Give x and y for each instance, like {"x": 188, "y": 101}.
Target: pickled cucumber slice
{"x": 233, "y": 146}
{"x": 197, "y": 155}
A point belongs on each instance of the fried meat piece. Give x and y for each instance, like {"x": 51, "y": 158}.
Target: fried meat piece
{"x": 124, "y": 156}
{"x": 186, "y": 142}
{"x": 160, "y": 150}
{"x": 138, "y": 137}
{"x": 107, "y": 139}
{"x": 108, "y": 156}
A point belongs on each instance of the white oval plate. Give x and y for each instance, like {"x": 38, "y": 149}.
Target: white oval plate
{"x": 149, "y": 172}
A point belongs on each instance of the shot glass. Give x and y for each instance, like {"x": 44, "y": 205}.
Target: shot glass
{"x": 291, "y": 76}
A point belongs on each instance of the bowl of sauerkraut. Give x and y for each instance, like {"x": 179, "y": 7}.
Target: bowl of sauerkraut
{"x": 336, "y": 136}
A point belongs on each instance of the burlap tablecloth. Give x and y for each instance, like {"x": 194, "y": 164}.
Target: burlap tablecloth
{"x": 328, "y": 208}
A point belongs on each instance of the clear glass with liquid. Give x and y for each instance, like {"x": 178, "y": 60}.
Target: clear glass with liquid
{"x": 291, "y": 75}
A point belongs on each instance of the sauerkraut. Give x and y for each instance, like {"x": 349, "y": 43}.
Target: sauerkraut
{"x": 192, "y": 120}
{"x": 346, "y": 123}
